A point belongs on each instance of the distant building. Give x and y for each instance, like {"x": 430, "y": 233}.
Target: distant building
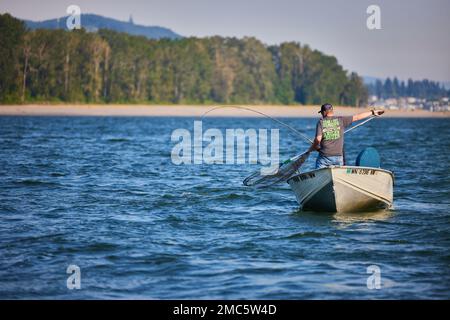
{"x": 411, "y": 100}
{"x": 391, "y": 103}
{"x": 410, "y": 103}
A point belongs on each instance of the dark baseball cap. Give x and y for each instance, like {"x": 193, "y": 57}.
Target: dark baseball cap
{"x": 325, "y": 107}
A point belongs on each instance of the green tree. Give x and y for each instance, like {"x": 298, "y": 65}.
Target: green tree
{"x": 355, "y": 93}
{"x": 12, "y": 33}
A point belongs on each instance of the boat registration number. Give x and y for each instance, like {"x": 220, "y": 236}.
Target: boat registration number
{"x": 361, "y": 171}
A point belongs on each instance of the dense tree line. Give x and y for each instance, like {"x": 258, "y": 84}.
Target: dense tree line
{"x": 424, "y": 89}
{"x": 78, "y": 66}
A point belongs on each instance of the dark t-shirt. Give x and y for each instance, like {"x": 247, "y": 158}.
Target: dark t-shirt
{"x": 332, "y": 131}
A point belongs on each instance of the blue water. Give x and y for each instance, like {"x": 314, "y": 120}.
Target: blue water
{"x": 102, "y": 193}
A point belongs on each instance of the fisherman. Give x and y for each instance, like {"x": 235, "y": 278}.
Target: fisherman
{"x": 329, "y": 141}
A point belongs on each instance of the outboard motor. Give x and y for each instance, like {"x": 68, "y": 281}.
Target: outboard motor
{"x": 369, "y": 157}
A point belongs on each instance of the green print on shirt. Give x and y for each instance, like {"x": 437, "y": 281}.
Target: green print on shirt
{"x": 331, "y": 129}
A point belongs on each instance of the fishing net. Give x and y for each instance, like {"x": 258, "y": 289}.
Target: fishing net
{"x": 285, "y": 170}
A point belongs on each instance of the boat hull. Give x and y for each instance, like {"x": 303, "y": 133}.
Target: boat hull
{"x": 344, "y": 189}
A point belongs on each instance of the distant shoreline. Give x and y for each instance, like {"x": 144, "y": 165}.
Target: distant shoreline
{"x": 280, "y": 111}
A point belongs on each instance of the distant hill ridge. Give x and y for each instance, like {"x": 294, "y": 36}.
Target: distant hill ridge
{"x": 93, "y": 22}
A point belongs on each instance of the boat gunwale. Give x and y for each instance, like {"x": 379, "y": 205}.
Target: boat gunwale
{"x": 343, "y": 167}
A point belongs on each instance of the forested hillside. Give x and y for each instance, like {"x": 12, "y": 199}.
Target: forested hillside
{"x": 94, "y": 22}
{"x": 111, "y": 67}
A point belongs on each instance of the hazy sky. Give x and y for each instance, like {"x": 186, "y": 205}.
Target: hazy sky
{"x": 414, "y": 40}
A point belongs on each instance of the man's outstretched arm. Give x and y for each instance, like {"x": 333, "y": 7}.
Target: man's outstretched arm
{"x": 367, "y": 114}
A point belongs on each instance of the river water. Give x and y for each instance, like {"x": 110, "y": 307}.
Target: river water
{"x": 102, "y": 193}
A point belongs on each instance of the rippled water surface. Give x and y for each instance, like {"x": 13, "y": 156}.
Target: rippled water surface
{"x": 102, "y": 193}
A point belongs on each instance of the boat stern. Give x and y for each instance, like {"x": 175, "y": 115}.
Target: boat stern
{"x": 343, "y": 189}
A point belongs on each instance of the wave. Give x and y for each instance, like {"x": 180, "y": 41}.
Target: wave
{"x": 118, "y": 140}
{"x": 36, "y": 182}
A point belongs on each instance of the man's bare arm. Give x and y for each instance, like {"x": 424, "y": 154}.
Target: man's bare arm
{"x": 367, "y": 114}
{"x": 316, "y": 144}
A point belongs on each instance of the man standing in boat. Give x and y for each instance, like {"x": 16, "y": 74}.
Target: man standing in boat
{"x": 329, "y": 141}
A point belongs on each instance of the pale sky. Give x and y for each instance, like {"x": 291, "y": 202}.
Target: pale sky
{"x": 414, "y": 40}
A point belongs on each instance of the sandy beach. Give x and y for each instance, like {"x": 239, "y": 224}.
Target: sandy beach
{"x": 193, "y": 111}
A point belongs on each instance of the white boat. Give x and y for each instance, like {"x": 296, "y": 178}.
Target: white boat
{"x": 344, "y": 189}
